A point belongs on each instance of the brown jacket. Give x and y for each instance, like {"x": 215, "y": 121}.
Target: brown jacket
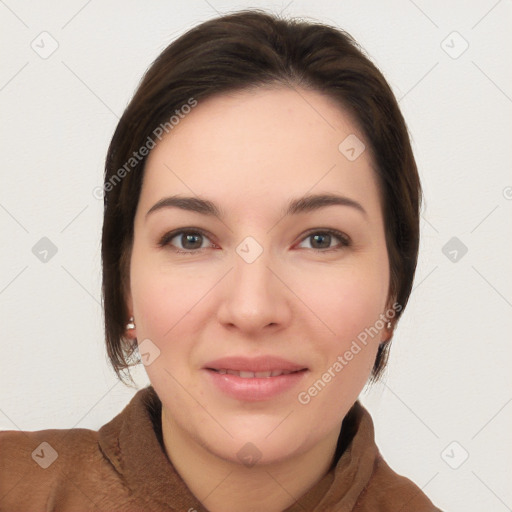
{"x": 124, "y": 467}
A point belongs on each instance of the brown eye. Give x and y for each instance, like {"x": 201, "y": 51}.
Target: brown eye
{"x": 321, "y": 240}
{"x": 190, "y": 240}
{"x": 185, "y": 241}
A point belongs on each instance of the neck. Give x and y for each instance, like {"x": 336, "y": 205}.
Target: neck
{"x": 223, "y": 485}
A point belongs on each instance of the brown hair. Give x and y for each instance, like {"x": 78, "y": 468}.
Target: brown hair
{"x": 243, "y": 50}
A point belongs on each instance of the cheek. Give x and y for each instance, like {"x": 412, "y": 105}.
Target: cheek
{"x": 162, "y": 302}
{"x": 155, "y": 304}
{"x": 347, "y": 305}
{"x": 162, "y": 294}
{"x": 345, "y": 301}
{"x": 153, "y": 299}
{"x": 169, "y": 303}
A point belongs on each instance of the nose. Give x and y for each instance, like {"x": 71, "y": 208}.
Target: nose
{"x": 254, "y": 300}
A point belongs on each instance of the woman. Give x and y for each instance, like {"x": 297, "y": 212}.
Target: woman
{"x": 259, "y": 245}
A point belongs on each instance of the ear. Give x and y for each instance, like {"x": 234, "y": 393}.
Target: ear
{"x": 392, "y": 308}
{"x": 130, "y": 332}
{"x": 387, "y": 335}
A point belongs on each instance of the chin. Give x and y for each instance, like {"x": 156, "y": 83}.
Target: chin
{"x": 254, "y": 453}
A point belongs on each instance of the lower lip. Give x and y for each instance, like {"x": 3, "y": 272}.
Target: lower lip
{"x": 255, "y": 389}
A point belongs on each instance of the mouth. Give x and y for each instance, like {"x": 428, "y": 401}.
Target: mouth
{"x": 247, "y": 386}
{"x": 252, "y": 375}
{"x": 254, "y": 379}
{"x": 254, "y": 367}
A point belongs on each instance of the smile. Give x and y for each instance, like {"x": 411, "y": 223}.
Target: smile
{"x": 247, "y": 386}
{"x": 252, "y": 375}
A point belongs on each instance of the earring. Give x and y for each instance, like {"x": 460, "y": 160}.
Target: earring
{"x": 130, "y": 325}
{"x": 389, "y": 325}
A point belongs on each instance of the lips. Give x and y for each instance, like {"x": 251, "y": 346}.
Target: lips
{"x": 249, "y": 367}
{"x": 254, "y": 379}
{"x": 252, "y": 375}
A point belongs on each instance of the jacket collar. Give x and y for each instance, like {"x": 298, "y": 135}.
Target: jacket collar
{"x": 133, "y": 444}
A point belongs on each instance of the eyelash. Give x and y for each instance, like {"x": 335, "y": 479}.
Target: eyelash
{"x": 165, "y": 240}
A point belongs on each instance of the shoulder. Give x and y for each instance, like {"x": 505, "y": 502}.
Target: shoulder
{"x": 81, "y": 469}
{"x": 41, "y": 448}
{"x": 393, "y": 491}
{"x": 38, "y": 465}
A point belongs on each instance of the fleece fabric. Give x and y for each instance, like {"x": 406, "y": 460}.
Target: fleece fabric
{"x": 124, "y": 467}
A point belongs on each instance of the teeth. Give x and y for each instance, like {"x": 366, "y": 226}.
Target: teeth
{"x": 262, "y": 374}
{"x": 252, "y": 375}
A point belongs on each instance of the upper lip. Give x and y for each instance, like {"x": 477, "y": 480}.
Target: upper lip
{"x": 254, "y": 364}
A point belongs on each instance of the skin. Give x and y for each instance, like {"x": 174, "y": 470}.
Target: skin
{"x": 250, "y": 153}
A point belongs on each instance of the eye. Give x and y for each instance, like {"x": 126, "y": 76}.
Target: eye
{"x": 190, "y": 240}
{"x": 321, "y": 240}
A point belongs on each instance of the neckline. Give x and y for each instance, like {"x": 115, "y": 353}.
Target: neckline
{"x": 133, "y": 443}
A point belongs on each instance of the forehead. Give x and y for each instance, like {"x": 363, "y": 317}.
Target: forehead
{"x": 262, "y": 144}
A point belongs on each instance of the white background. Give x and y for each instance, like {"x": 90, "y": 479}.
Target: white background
{"x": 449, "y": 375}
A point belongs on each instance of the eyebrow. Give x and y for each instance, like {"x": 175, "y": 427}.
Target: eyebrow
{"x": 296, "y": 206}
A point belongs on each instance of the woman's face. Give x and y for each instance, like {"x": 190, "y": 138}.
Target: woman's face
{"x": 271, "y": 289}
